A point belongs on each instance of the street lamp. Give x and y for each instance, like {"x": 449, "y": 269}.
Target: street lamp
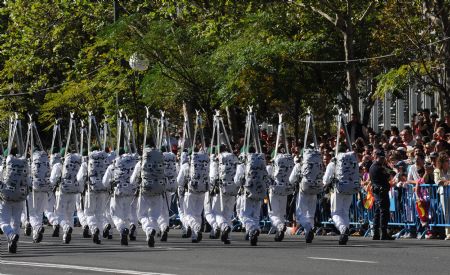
{"x": 138, "y": 63}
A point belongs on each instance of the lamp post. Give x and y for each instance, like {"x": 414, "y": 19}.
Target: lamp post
{"x": 138, "y": 63}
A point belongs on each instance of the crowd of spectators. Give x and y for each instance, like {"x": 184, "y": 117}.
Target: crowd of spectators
{"x": 417, "y": 154}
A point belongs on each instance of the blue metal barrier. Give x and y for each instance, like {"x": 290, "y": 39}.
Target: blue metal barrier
{"x": 403, "y": 208}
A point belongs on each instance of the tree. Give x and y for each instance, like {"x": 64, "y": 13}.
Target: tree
{"x": 347, "y": 18}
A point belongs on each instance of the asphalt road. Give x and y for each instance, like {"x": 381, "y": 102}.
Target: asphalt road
{"x": 180, "y": 256}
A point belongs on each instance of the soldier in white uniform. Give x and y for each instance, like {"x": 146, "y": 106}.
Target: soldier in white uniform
{"x": 149, "y": 175}
{"x": 197, "y": 182}
{"x": 210, "y": 205}
{"x": 307, "y": 176}
{"x": 118, "y": 176}
{"x": 64, "y": 176}
{"x": 255, "y": 185}
{"x": 278, "y": 192}
{"x": 228, "y": 190}
{"x": 14, "y": 186}
{"x": 170, "y": 173}
{"x": 339, "y": 173}
{"x": 97, "y": 195}
{"x": 42, "y": 190}
{"x": 182, "y": 180}
{"x": 50, "y": 213}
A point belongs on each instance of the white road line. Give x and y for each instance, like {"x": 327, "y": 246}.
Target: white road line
{"x": 342, "y": 260}
{"x": 85, "y": 268}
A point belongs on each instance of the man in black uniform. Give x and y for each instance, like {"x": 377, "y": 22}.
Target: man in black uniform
{"x": 379, "y": 176}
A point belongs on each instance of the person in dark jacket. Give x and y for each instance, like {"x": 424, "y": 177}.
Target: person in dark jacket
{"x": 355, "y": 128}
{"x": 380, "y": 176}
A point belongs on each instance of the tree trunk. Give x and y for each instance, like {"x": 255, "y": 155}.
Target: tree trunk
{"x": 296, "y": 119}
{"x": 351, "y": 69}
{"x": 232, "y": 124}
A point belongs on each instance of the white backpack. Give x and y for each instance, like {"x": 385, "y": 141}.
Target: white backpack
{"x": 311, "y": 172}
{"x": 123, "y": 168}
{"x": 40, "y": 172}
{"x": 284, "y": 163}
{"x": 347, "y": 174}
{"x": 199, "y": 173}
{"x": 170, "y": 171}
{"x": 152, "y": 172}
{"x": 70, "y": 167}
{"x": 227, "y": 170}
{"x": 256, "y": 177}
{"x": 97, "y": 165}
{"x": 15, "y": 180}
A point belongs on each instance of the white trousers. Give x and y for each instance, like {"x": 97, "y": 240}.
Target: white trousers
{"x": 277, "y": 211}
{"x": 50, "y": 211}
{"x": 94, "y": 209}
{"x": 152, "y": 213}
{"x": 340, "y": 207}
{"x": 41, "y": 200}
{"x": 305, "y": 210}
{"x": 211, "y": 210}
{"x": 193, "y": 203}
{"x": 225, "y": 212}
{"x": 65, "y": 208}
{"x": 239, "y": 206}
{"x": 123, "y": 211}
{"x": 80, "y": 212}
{"x": 10, "y": 213}
{"x": 181, "y": 213}
{"x": 251, "y": 214}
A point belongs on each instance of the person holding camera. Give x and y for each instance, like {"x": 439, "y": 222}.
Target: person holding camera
{"x": 380, "y": 176}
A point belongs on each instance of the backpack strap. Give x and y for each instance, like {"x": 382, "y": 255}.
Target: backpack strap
{"x": 251, "y": 131}
{"x": 72, "y": 133}
{"x": 198, "y": 130}
{"x": 310, "y": 124}
{"x": 281, "y": 132}
{"x": 15, "y": 135}
{"x": 342, "y": 124}
{"x": 56, "y": 135}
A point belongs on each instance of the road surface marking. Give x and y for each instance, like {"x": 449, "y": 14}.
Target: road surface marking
{"x": 342, "y": 260}
{"x": 85, "y": 268}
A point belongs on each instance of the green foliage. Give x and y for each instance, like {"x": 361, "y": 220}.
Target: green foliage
{"x": 69, "y": 56}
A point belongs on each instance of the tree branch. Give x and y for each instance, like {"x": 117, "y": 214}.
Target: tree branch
{"x": 366, "y": 12}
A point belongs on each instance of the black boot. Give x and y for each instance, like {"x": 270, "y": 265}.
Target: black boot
{"x": 309, "y": 236}
{"x": 28, "y": 229}
{"x": 164, "y": 234}
{"x": 124, "y": 236}
{"x": 279, "y": 236}
{"x": 67, "y": 237}
{"x": 199, "y": 237}
{"x": 254, "y": 237}
{"x": 225, "y": 235}
{"x": 385, "y": 236}
{"x": 86, "y": 233}
{"x": 37, "y": 238}
{"x": 184, "y": 232}
{"x": 132, "y": 232}
{"x": 343, "y": 239}
{"x": 55, "y": 231}
{"x": 12, "y": 243}
{"x": 151, "y": 238}
{"x": 106, "y": 230}
{"x": 96, "y": 236}
{"x": 376, "y": 234}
